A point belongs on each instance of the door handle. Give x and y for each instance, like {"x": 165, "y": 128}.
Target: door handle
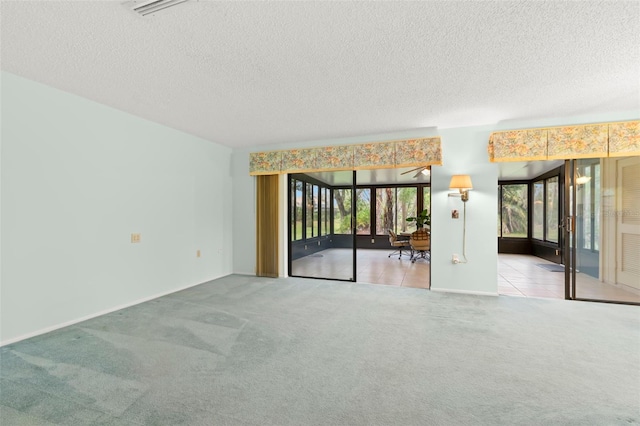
{"x": 569, "y": 223}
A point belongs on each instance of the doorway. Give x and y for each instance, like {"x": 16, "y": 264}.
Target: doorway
{"x": 580, "y": 218}
{"x": 340, "y": 223}
{"x": 529, "y": 210}
{"x": 321, "y": 232}
{"x": 602, "y": 230}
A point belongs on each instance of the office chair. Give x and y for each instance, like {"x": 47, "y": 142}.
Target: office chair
{"x": 420, "y": 242}
{"x": 399, "y": 245}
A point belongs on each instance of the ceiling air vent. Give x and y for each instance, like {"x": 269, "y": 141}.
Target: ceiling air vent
{"x": 148, "y": 7}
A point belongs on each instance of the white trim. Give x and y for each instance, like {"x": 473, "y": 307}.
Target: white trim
{"x": 100, "y": 313}
{"x": 283, "y": 235}
{"x": 477, "y": 293}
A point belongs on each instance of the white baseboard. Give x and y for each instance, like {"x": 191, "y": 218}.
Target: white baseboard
{"x": 476, "y": 293}
{"x": 97, "y": 314}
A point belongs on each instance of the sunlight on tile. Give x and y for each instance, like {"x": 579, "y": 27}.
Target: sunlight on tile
{"x": 520, "y": 275}
{"x": 373, "y": 267}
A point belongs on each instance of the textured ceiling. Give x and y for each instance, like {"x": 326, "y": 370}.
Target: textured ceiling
{"x": 247, "y": 73}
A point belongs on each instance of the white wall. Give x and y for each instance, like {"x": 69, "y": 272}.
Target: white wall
{"x": 464, "y": 152}
{"x": 77, "y": 179}
{"x": 244, "y": 215}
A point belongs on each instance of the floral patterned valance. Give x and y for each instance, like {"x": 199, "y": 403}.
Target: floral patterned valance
{"x": 578, "y": 142}
{"x": 583, "y": 141}
{"x": 624, "y": 139}
{"x": 518, "y": 145}
{"x": 392, "y": 154}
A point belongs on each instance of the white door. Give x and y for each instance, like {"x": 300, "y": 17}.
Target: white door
{"x": 628, "y": 222}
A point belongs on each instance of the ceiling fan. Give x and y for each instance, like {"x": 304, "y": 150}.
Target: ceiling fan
{"x": 422, "y": 170}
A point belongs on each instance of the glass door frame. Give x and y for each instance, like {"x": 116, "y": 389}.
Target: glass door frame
{"x": 353, "y": 229}
{"x": 567, "y": 225}
{"x": 570, "y": 247}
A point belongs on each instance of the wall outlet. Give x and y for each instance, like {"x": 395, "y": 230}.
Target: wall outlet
{"x": 135, "y": 238}
{"x": 455, "y": 259}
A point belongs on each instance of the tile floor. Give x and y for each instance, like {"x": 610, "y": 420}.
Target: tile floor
{"x": 519, "y": 275}
{"x": 373, "y": 266}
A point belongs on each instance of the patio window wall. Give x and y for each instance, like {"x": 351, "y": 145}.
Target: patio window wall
{"x": 309, "y": 209}
{"x": 320, "y": 211}
{"x": 528, "y": 215}
{"x": 513, "y": 210}
{"x": 546, "y": 209}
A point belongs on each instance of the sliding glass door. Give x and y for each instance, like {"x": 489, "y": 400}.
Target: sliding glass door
{"x": 602, "y": 229}
{"x": 322, "y": 225}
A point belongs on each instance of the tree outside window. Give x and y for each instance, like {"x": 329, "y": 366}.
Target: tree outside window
{"x": 552, "y": 209}
{"x": 342, "y": 211}
{"x": 297, "y": 230}
{"x": 514, "y": 211}
{"x": 393, "y": 207}
{"x": 538, "y": 210}
{"x": 363, "y": 211}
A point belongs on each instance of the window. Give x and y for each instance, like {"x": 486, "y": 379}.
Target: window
{"x": 596, "y": 207}
{"x": 363, "y": 211}
{"x": 584, "y": 202}
{"x": 546, "y": 209}
{"x": 407, "y": 207}
{"x": 325, "y": 211}
{"x": 316, "y": 212}
{"x": 309, "y": 209}
{"x": 385, "y": 210}
{"x": 514, "y": 211}
{"x": 341, "y": 211}
{"x": 538, "y": 210}
{"x": 393, "y": 207}
{"x": 297, "y": 211}
{"x": 588, "y": 207}
{"x": 309, "y": 216}
{"x": 552, "y": 209}
{"x": 426, "y": 198}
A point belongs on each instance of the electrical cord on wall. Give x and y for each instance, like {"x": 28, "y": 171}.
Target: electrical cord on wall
{"x": 464, "y": 233}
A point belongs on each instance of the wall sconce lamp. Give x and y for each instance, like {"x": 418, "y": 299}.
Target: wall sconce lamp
{"x": 463, "y": 184}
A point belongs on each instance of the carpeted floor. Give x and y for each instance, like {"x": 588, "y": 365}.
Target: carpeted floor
{"x": 248, "y": 351}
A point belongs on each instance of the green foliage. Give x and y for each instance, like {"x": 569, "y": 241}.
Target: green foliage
{"x": 514, "y": 210}
{"x": 363, "y": 211}
{"x": 423, "y": 218}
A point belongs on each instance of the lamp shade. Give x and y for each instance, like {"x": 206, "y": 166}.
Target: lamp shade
{"x": 582, "y": 179}
{"x": 461, "y": 182}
